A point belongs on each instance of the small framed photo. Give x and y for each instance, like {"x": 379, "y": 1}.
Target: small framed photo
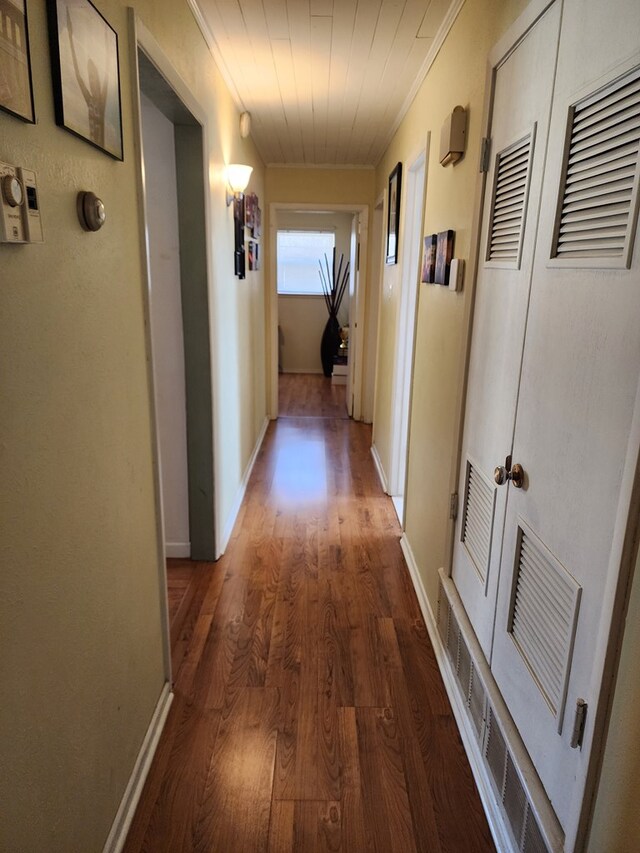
{"x": 253, "y": 255}
{"x": 257, "y": 230}
{"x": 393, "y": 214}
{"x": 86, "y": 74}
{"x": 444, "y": 253}
{"x": 429, "y": 259}
{"x": 16, "y": 88}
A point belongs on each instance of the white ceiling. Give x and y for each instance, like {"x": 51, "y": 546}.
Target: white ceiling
{"x": 325, "y": 81}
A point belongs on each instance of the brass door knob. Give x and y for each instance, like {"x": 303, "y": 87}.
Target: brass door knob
{"x": 501, "y": 475}
{"x": 517, "y": 476}
{"x": 506, "y": 472}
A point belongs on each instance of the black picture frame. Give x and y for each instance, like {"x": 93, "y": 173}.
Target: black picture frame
{"x": 429, "y": 259}
{"x": 86, "y": 74}
{"x": 16, "y": 92}
{"x": 393, "y": 214}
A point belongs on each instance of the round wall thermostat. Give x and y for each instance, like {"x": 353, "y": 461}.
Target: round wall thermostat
{"x": 12, "y": 191}
{"x": 245, "y": 125}
{"x": 91, "y": 211}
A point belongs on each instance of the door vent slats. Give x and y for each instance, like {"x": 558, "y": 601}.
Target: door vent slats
{"x": 542, "y": 620}
{"x": 508, "y": 207}
{"x": 477, "y": 520}
{"x": 506, "y": 777}
{"x": 598, "y": 202}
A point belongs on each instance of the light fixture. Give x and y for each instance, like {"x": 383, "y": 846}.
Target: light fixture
{"x": 237, "y": 180}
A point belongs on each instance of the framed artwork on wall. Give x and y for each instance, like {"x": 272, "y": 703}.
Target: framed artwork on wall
{"x": 86, "y": 74}
{"x": 393, "y": 214}
{"x": 444, "y": 253}
{"x": 429, "y": 259}
{"x": 16, "y": 88}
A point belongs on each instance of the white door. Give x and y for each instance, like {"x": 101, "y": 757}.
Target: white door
{"x": 411, "y": 247}
{"x": 519, "y": 128}
{"x": 578, "y": 414}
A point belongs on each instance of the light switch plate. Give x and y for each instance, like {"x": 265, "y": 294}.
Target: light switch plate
{"x": 456, "y": 274}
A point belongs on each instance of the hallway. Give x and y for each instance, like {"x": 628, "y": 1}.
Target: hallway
{"x": 309, "y": 714}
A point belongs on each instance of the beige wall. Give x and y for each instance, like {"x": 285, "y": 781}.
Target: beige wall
{"x": 82, "y": 663}
{"x": 616, "y": 816}
{"x": 456, "y": 77}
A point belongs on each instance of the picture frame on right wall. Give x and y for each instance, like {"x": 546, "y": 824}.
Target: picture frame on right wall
{"x": 393, "y": 214}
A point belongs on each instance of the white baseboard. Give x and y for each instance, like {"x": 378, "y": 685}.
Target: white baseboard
{"x": 235, "y": 509}
{"x": 314, "y": 370}
{"x": 499, "y": 831}
{"x": 177, "y": 549}
{"x": 120, "y": 827}
{"x": 379, "y": 469}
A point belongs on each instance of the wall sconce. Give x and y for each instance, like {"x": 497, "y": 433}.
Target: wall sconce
{"x": 237, "y": 180}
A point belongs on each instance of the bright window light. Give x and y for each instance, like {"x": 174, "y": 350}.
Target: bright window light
{"x": 298, "y": 255}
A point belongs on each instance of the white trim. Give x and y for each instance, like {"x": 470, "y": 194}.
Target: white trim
{"x": 235, "y": 509}
{"x": 212, "y": 44}
{"x": 177, "y": 549}
{"x": 378, "y": 463}
{"x": 499, "y": 831}
{"x": 438, "y": 41}
{"x": 314, "y": 370}
{"x": 518, "y": 30}
{"x": 140, "y": 35}
{"x": 407, "y": 318}
{"x": 120, "y": 827}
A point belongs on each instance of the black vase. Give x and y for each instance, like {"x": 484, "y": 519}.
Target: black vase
{"x": 329, "y": 344}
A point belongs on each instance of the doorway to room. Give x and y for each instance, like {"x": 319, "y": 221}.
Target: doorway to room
{"x": 412, "y": 245}
{"x": 311, "y": 247}
{"x": 174, "y": 192}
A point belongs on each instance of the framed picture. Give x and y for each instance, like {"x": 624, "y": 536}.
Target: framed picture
{"x": 393, "y": 214}
{"x": 86, "y": 74}
{"x": 257, "y": 230}
{"x": 444, "y": 253}
{"x": 429, "y": 259}
{"x": 16, "y": 88}
{"x": 253, "y": 255}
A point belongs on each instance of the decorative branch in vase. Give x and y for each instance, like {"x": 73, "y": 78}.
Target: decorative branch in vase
{"x": 334, "y": 284}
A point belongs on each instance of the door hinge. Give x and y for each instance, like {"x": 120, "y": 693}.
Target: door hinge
{"x": 484, "y": 154}
{"x": 453, "y": 506}
{"x": 578, "y": 724}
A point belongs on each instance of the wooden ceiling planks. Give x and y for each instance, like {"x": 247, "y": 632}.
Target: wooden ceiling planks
{"x": 325, "y": 80}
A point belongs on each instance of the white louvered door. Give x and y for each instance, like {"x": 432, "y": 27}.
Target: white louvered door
{"x": 577, "y": 429}
{"x": 520, "y": 118}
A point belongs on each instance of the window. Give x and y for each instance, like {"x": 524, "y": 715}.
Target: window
{"x": 299, "y": 257}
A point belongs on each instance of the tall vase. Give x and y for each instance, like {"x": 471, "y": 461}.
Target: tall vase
{"x": 329, "y": 344}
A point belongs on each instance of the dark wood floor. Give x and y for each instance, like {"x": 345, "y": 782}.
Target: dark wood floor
{"x": 309, "y": 395}
{"x": 309, "y": 713}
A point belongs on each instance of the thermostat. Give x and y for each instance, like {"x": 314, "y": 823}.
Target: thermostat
{"x": 12, "y": 199}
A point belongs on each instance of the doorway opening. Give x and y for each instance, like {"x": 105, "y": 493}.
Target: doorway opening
{"x": 298, "y": 310}
{"x": 174, "y": 192}
{"x": 407, "y": 313}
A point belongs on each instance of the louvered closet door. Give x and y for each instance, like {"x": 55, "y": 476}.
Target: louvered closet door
{"x": 578, "y": 420}
{"x": 521, "y": 111}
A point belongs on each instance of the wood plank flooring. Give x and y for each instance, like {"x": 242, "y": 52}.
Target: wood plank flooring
{"x": 309, "y": 713}
{"x": 311, "y": 395}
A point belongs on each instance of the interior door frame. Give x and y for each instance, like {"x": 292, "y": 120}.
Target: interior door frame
{"x": 406, "y": 328}
{"x": 142, "y": 39}
{"x": 356, "y": 330}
